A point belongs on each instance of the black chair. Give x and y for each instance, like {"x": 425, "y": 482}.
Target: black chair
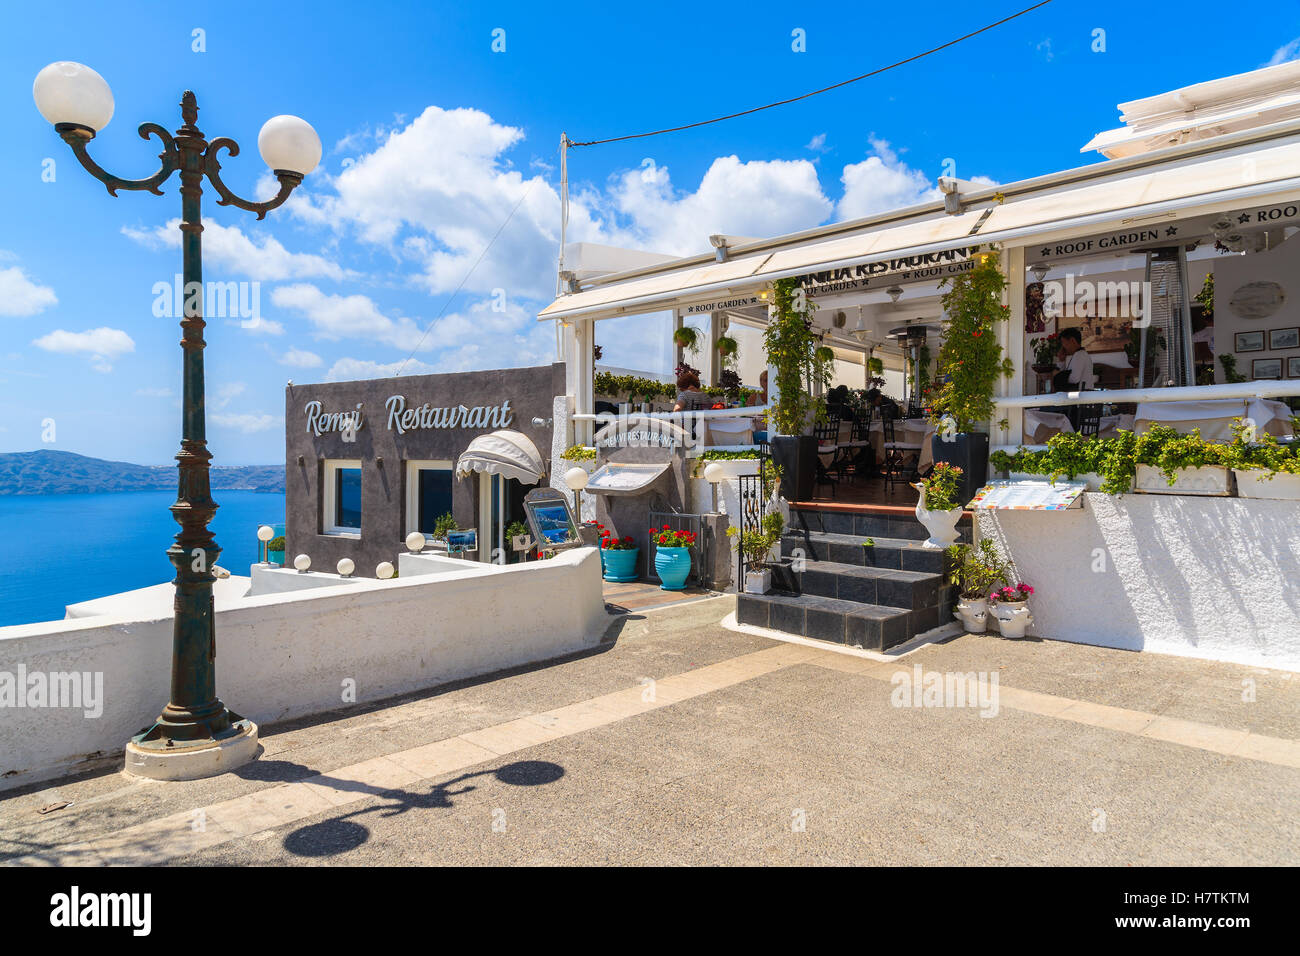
{"x": 828, "y": 437}
{"x": 857, "y": 453}
{"x": 1089, "y": 419}
{"x": 896, "y": 465}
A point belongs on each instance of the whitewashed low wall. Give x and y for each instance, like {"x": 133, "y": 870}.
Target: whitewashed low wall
{"x": 1214, "y": 578}
{"x": 281, "y": 656}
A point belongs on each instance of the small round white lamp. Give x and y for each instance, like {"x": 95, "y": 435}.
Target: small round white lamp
{"x": 265, "y": 534}
{"x": 576, "y": 479}
{"x": 346, "y": 567}
{"x": 714, "y": 473}
{"x": 415, "y": 542}
{"x": 302, "y": 562}
{"x": 384, "y": 570}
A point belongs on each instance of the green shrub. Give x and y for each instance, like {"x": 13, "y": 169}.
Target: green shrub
{"x": 579, "y": 453}
{"x": 443, "y": 525}
{"x": 276, "y": 544}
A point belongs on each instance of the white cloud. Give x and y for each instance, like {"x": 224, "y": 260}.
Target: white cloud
{"x": 246, "y": 423}
{"x": 1044, "y": 47}
{"x": 1285, "y": 53}
{"x": 20, "y": 296}
{"x": 103, "y": 345}
{"x": 260, "y": 326}
{"x": 227, "y": 246}
{"x": 154, "y": 392}
{"x": 818, "y": 144}
{"x": 225, "y": 393}
{"x": 348, "y": 317}
{"x": 300, "y": 358}
{"x": 755, "y": 198}
{"x": 883, "y": 182}
{"x": 347, "y": 369}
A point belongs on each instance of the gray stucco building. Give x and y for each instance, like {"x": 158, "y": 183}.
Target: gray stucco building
{"x": 368, "y": 462}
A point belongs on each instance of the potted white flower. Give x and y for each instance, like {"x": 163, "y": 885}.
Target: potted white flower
{"x": 1009, "y": 606}
{"x": 938, "y": 508}
{"x": 975, "y": 571}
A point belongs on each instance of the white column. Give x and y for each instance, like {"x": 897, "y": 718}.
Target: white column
{"x": 584, "y": 363}
{"x": 714, "y": 366}
{"x": 677, "y": 349}
{"x": 1012, "y": 339}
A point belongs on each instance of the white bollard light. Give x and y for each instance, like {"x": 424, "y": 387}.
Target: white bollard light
{"x": 346, "y": 567}
{"x": 384, "y": 570}
{"x": 302, "y": 563}
{"x": 415, "y": 542}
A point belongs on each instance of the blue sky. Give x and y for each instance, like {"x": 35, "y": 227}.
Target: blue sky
{"x": 431, "y": 139}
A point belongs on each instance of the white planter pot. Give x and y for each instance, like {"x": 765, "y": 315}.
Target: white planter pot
{"x": 758, "y": 582}
{"x": 732, "y": 468}
{"x": 1253, "y": 484}
{"x": 1012, "y": 617}
{"x": 942, "y": 525}
{"x": 973, "y": 614}
{"x": 1210, "y": 480}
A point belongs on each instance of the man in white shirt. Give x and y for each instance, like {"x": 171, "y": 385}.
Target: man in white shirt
{"x": 1076, "y": 364}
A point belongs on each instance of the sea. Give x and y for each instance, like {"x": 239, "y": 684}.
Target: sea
{"x": 62, "y": 549}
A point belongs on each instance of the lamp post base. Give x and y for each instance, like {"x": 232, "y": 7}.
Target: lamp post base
{"x": 205, "y": 759}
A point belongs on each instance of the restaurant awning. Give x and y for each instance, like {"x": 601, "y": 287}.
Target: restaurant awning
{"x": 1093, "y": 201}
{"x": 507, "y": 453}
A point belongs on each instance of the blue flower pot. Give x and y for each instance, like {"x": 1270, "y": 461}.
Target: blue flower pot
{"x": 673, "y": 565}
{"x": 620, "y": 565}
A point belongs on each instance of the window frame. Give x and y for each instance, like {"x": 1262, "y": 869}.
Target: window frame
{"x": 329, "y": 497}
{"x": 414, "y": 466}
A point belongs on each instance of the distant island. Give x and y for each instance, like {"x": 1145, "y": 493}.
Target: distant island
{"x": 49, "y": 472}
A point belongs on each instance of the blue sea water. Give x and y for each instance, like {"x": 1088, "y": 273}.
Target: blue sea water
{"x": 61, "y": 549}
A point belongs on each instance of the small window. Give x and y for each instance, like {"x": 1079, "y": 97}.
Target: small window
{"x": 342, "y": 493}
{"x": 428, "y": 493}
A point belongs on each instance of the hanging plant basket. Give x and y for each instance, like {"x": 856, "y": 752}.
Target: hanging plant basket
{"x": 727, "y": 345}
{"x": 825, "y": 353}
{"x": 686, "y": 337}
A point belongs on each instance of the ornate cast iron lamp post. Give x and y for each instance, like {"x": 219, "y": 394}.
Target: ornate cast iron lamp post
{"x": 195, "y": 735}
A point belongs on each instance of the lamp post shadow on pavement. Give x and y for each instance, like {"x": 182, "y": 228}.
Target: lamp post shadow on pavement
{"x": 196, "y": 735}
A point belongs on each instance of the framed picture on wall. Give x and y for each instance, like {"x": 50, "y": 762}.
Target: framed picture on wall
{"x": 1293, "y": 367}
{"x": 1266, "y": 368}
{"x": 1250, "y": 341}
{"x": 1284, "y": 339}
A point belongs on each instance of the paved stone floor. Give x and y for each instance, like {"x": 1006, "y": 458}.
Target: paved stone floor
{"x": 680, "y": 741}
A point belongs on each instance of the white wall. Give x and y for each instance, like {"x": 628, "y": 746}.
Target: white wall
{"x": 281, "y": 656}
{"x": 1214, "y": 578}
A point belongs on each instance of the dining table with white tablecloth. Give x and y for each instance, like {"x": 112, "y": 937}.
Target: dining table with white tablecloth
{"x": 914, "y": 431}
{"x": 1041, "y": 425}
{"x": 1214, "y": 417}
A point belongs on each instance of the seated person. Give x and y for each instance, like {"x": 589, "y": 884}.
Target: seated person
{"x": 883, "y": 404}
{"x": 757, "y": 399}
{"x": 689, "y": 396}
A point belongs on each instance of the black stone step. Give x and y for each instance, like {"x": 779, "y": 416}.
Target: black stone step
{"x": 899, "y": 554}
{"x": 888, "y": 587}
{"x": 869, "y": 626}
{"x": 901, "y": 526}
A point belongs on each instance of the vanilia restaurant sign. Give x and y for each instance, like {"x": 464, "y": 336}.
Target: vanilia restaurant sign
{"x": 402, "y": 418}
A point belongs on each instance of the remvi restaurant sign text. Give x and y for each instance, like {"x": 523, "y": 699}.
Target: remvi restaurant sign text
{"x": 402, "y": 419}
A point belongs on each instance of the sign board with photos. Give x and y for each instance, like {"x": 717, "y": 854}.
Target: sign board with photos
{"x": 1029, "y": 496}
{"x": 551, "y": 520}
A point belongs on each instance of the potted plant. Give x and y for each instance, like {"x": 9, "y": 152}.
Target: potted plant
{"x": 617, "y": 556}
{"x": 792, "y": 350}
{"x": 1171, "y": 463}
{"x": 1262, "y": 467}
{"x": 1155, "y": 345}
{"x": 686, "y": 338}
{"x": 1009, "y": 607}
{"x": 446, "y": 523}
{"x": 672, "y": 556}
{"x": 975, "y": 571}
{"x": 727, "y": 348}
{"x": 757, "y": 546}
{"x": 970, "y": 362}
{"x": 520, "y": 538}
{"x": 937, "y": 507}
{"x": 275, "y": 550}
{"x": 1045, "y": 350}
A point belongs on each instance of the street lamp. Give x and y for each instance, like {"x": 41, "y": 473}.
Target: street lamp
{"x": 195, "y": 735}
{"x": 576, "y": 479}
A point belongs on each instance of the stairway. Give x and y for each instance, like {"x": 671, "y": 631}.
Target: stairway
{"x": 842, "y": 592}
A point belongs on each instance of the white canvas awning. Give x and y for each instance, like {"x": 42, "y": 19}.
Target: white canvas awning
{"x": 1169, "y": 189}
{"x": 507, "y": 453}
